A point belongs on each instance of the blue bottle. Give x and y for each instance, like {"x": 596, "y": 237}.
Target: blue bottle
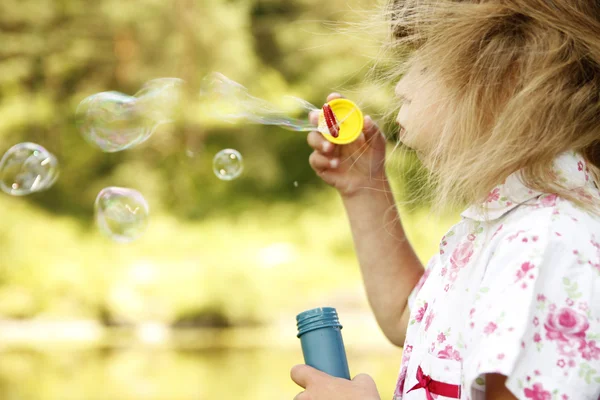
{"x": 320, "y": 335}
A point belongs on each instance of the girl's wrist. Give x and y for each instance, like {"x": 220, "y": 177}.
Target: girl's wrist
{"x": 372, "y": 186}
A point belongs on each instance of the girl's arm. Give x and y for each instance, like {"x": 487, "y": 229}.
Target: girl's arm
{"x": 495, "y": 388}
{"x": 389, "y": 265}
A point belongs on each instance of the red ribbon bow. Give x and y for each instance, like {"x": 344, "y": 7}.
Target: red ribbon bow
{"x": 435, "y": 387}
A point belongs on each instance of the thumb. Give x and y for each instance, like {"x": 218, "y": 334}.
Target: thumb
{"x": 305, "y": 375}
{"x": 364, "y": 380}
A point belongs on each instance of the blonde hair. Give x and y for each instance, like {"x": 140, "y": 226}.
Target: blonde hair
{"x": 521, "y": 82}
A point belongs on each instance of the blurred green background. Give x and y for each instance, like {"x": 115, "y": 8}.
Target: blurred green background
{"x": 203, "y": 305}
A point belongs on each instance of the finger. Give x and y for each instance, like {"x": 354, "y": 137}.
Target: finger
{"x": 321, "y": 162}
{"x": 334, "y": 96}
{"x": 366, "y": 382}
{"x": 313, "y": 117}
{"x": 305, "y": 375}
{"x": 364, "y": 379}
{"x": 302, "y": 396}
{"x": 319, "y": 143}
{"x": 370, "y": 128}
{"x": 300, "y": 374}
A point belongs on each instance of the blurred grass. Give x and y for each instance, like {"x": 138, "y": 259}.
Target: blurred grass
{"x": 244, "y": 269}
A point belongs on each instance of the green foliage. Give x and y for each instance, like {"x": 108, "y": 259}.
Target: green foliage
{"x": 205, "y": 252}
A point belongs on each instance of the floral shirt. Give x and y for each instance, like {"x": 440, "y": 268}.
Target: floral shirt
{"x": 515, "y": 291}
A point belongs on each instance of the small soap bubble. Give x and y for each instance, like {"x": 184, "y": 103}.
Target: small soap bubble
{"x": 121, "y": 213}
{"x": 295, "y": 183}
{"x": 27, "y": 168}
{"x": 228, "y": 164}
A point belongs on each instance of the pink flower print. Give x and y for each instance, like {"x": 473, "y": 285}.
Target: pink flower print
{"x": 441, "y": 337}
{"x": 537, "y": 392}
{"x": 443, "y": 271}
{"x": 552, "y": 307}
{"x": 583, "y": 306}
{"x": 570, "y": 302}
{"x": 565, "y": 325}
{"x": 501, "y": 356}
{"x": 541, "y": 297}
{"x": 402, "y": 378}
{"x": 565, "y": 397}
{"x": 537, "y": 372}
{"x": 590, "y": 351}
{"x": 490, "y": 328}
{"x": 401, "y": 381}
{"x": 497, "y": 230}
{"x": 535, "y": 238}
{"x": 446, "y": 288}
{"x": 514, "y": 236}
{"x": 561, "y": 363}
{"x": 537, "y": 338}
{"x": 568, "y": 349}
{"x": 522, "y": 272}
{"x": 471, "y": 237}
{"x": 572, "y": 363}
{"x": 580, "y": 166}
{"x": 421, "y": 313}
{"x": 461, "y": 255}
{"x": 557, "y": 233}
{"x": 549, "y": 200}
{"x": 428, "y": 320}
{"x": 471, "y": 312}
{"x": 453, "y": 275}
{"x": 449, "y": 354}
{"x": 422, "y": 280}
{"x": 494, "y": 195}
{"x": 536, "y": 321}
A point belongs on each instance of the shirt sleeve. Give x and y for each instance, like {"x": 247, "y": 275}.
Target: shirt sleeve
{"x": 536, "y": 319}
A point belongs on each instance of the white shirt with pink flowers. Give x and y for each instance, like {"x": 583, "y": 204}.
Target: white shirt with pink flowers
{"x": 515, "y": 292}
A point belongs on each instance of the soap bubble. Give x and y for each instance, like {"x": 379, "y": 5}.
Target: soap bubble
{"x": 228, "y": 164}
{"x": 115, "y": 121}
{"x": 161, "y": 98}
{"x": 121, "y": 213}
{"x": 27, "y": 168}
{"x": 227, "y": 100}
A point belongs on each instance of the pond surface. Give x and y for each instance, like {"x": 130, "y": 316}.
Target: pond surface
{"x": 165, "y": 374}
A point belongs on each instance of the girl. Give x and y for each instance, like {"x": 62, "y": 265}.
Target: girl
{"x": 501, "y": 101}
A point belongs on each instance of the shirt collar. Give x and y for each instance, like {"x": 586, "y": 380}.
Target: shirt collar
{"x": 570, "y": 168}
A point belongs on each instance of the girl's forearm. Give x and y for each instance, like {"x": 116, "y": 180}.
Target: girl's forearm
{"x": 389, "y": 265}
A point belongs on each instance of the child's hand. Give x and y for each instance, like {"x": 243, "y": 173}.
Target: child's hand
{"x": 320, "y": 386}
{"x": 351, "y": 167}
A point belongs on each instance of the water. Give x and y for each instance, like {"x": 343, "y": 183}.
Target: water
{"x": 155, "y": 374}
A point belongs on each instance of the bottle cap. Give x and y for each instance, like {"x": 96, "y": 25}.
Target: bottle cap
{"x": 317, "y": 318}
{"x": 350, "y": 120}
